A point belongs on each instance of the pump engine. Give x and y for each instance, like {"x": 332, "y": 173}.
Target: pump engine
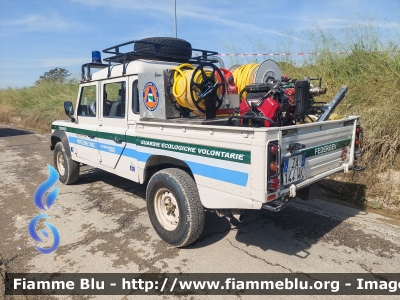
{"x": 278, "y": 103}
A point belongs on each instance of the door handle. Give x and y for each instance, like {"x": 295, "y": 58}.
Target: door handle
{"x": 117, "y": 140}
{"x": 91, "y": 136}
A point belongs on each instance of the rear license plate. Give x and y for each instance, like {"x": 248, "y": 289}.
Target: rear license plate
{"x": 293, "y": 169}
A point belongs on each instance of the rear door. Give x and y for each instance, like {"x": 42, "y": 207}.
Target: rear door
{"x": 128, "y": 161}
{"x": 112, "y": 128}
{"x": 316, "y": 149}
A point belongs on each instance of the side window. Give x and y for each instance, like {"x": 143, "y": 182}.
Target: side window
{"x": 114, "y": 100}
{"x": 135, "y": 97}
{"x": 87, "y": 102}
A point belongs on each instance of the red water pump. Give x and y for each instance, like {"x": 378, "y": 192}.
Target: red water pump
{"x": 230, "y": 82}
{"x": 231, "y": 87}
{"x": 259, "y": 108}
{"x": 280, "y": 103}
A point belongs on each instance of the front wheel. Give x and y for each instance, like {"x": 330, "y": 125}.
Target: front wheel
{"x": 174, "y": 207}
{"x": 67, "y": 168}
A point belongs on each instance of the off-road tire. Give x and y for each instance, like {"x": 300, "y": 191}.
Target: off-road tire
{"x": 67, "y": 168}
{"x": 169, "y": 45}
{"x": 191, "y": 212}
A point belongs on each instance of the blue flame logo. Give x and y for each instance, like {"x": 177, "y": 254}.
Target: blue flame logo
{"x": 49, "y": 201}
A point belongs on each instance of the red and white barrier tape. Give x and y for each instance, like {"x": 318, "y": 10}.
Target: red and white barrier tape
{"x": 293, "y": 54}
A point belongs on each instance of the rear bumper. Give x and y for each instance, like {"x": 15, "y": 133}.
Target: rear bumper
{"x": 291, "y": 190}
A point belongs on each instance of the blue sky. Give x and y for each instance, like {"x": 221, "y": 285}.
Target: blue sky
{"x": 38, "y": 35}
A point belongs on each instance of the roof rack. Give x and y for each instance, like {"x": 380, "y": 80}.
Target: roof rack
{"x": 87, "y": 76}
{"x": 119, "y": 57}
{"x": 201, "y": 56}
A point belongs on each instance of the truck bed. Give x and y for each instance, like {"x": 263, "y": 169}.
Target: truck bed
{"x": 323, "y": 145}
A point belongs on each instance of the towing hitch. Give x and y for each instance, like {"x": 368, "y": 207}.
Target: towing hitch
{"x": 358, "y": 168}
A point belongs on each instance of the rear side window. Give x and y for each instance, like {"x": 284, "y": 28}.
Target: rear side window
{"x": 87, "y": 102}
{"x": 114, "y": 100}
{"x": 135, "y": 97}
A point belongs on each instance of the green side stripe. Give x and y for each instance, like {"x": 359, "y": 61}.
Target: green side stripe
{"x": 321, "y": 149}
{"x": 194, "y": 149}
{"x": 99, "y": 134}
{"x": 74, "y": 130}
{"x": 199, "y": 150}
{"x": 206, "y": 151}
{"x": 110, "y": 136}
{"x": 131, "y": 139}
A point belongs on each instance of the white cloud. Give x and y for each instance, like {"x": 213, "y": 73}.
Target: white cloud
{"x": 355, "y": 20}
{"x": 243, "y": 26}
{"x": 38, "y": 22}
{"x": 160, "y": 5}
{"x": 63, "y": 62}
{"x": 25, "y": 21}
{"x": 45, "y": 63}
{"x": 217, "y": 16}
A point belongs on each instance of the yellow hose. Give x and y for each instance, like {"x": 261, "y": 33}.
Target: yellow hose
{"x": 178, "y": 81}
{"x": 244, "y": 75}
{"x": 181, "y": 86}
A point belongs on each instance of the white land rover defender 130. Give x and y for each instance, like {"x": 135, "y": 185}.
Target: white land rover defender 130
{"x": 164, "y": 114}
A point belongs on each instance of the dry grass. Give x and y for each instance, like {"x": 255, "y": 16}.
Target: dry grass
{"x": 38, "y": 106}
{"x": 373, "y": 80}
{"x": 371, "y": 70}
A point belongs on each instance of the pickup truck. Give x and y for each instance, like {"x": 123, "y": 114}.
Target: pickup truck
{"x": 127, "y": 121}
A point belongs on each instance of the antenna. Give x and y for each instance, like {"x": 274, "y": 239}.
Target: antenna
{"x": 176, "y": 34}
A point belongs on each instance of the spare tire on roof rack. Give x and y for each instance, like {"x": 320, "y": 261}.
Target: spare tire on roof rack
{"x": 169, "y": 45}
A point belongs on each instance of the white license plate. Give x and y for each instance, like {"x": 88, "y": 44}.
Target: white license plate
{"x": 293, "y": 169}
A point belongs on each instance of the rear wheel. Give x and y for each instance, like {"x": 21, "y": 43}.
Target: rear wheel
{"x": 174, "y": 207}
{"x": 67, "y": 168}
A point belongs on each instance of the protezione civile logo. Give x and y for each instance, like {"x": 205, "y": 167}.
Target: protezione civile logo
{"x": 49, "y": 201}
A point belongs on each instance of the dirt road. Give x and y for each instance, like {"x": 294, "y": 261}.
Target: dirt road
{"x": 104, "y": 227}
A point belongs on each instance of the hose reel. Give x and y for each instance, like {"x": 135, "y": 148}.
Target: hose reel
{"x": 199, "y": 89}
{"x": 251, "y": 73}
{"x": 268, "y": 70}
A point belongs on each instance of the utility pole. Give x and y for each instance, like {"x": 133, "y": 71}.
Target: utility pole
{"x": 176, "y": 34}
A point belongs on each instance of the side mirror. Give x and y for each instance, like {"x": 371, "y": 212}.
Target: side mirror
{"x": 69, "y": 110}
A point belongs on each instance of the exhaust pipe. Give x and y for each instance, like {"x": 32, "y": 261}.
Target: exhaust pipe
{"x": 238, "y": 214}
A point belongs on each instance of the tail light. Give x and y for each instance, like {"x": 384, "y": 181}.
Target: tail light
{"x": 359, "y": 136}
{"x": 273, "y": 149}
{"x": 274, "y": 184}
{"x": 358, "y": 143}
{"x": 344, "y": 153}
{"x": 273, "y": 172}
